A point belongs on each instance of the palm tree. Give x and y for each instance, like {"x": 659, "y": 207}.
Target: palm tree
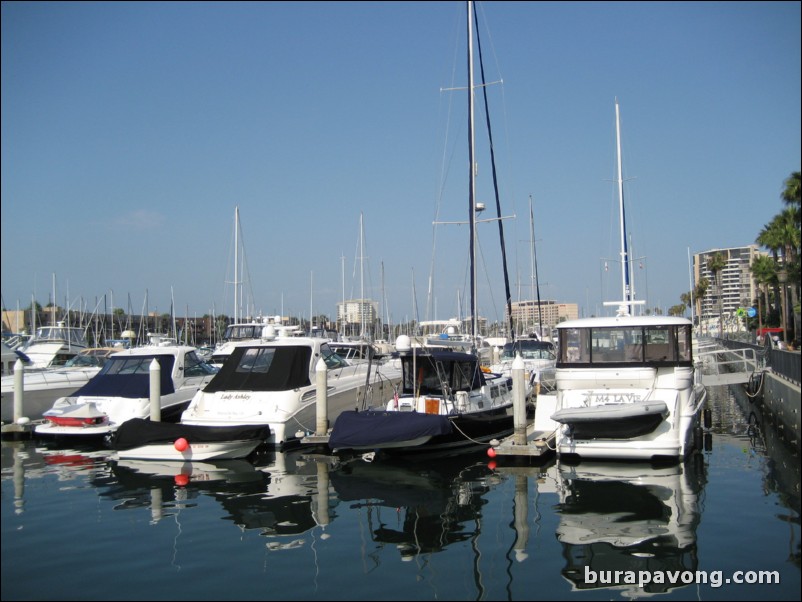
{"x": 677, "y": 310}
{"x": 687, "y": 300}
{"x": 792, "y": 197}
{"x": 699, "y": 293}
{"x": 716, "y": 263}
{"x": 791, "y": 194}
{"x": 763, "y": 271}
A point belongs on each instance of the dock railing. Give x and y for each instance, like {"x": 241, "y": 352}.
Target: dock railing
{"x": 782, "y": 362}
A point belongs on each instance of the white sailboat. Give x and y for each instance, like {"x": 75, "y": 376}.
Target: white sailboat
{"x": 627, "y": 386}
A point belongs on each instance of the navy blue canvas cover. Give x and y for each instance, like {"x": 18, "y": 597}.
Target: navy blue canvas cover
{"x": 114, "y": 380}
{"x": 375, "y": 427}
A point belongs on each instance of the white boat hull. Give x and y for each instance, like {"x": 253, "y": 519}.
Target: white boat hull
{"x": 195, "y": 451}
{"x": 38, "y": 397}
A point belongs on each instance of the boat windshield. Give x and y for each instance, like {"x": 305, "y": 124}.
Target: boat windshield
{"x": 332, "y": 359}
{"x": 429, "y": 376}
{"x": 242, "y": 332}
{"x": 85, "y": 361}
{"x": 73, "y": 336}
{"x": 529, "y": 350}
{"x": 625, "y": 346}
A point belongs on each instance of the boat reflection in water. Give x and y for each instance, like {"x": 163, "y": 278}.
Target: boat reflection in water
{"x": 432, "y": 505}
{"x": 281, "y": 495}
{"x": 638, "y": 519}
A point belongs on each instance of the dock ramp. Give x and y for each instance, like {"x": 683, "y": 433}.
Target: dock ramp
{"x": 728, "y": 366}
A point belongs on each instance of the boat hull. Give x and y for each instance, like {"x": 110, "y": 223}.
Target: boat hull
{"x": 146, "y": 440}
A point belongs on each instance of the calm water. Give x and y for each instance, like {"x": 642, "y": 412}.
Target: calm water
{"x": 76, "y": 525}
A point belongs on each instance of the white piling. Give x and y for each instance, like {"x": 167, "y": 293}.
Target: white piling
{"x": 19, "y": 388}
{"x": 155, "y": 391}
{"x": 518, "y": 401}
{"x": 322, "y": 384}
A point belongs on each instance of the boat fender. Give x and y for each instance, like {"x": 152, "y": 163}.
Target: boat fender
{"x": 181, "y": 444}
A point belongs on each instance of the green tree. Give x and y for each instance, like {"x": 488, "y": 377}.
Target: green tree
{"x": 791, "y": 194}
{"x": 677, "y": 310}
{"x": 763, "y": 271}
{"x": 716, "y": 263}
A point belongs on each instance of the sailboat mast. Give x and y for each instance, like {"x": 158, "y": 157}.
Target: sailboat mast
{"x": 625, "y": 282}
{"x": 236, "y": 264}
{"x": 361, "y": 279}
{"x": 472, "y": 178}
{"x": 534, "y": 267}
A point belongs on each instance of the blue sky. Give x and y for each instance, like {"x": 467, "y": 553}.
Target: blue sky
{"x": 131, "y": 131}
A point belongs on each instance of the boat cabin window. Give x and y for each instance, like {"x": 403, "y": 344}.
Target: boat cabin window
{"x": 625, "y": 346}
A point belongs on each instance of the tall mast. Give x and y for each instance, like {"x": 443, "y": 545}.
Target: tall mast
{"x": 534, "y": 267}
{"x": 472, "y": 180}
{"x": 361, "y": 280}
{"x": 236, "y": 264}
{"x": 625, "y": 282}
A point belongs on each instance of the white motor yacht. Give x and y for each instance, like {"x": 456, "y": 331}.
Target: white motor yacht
{"x": 121, "y": 390}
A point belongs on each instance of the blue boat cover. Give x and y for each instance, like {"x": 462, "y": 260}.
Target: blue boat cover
{"x": 377, "y": 427}
{"x": 129, "y": 377}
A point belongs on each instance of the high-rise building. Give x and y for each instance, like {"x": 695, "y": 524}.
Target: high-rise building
{"x": 357, "y": 316}
{"x": 733, "y": 288}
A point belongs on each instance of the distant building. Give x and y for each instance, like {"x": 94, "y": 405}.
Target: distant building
{"x": 526, "y": 315}
{"x": 736, "y": 287}
{"x": 356, "y": 315}
{"x": 15, "y": 321}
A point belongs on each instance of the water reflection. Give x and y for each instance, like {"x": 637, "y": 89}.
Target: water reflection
{"x": 457, "y": 521}
{"x": 628, "y": 517}
{"x": 419, "y": 508}
{"x": 281, "y": 495}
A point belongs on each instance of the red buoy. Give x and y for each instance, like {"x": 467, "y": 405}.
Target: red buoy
{"x": 181, "y": 444}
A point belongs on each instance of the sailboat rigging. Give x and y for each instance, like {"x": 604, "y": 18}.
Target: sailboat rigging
{"x": 474, "y": 206}
{"x": 446, "y": 402}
